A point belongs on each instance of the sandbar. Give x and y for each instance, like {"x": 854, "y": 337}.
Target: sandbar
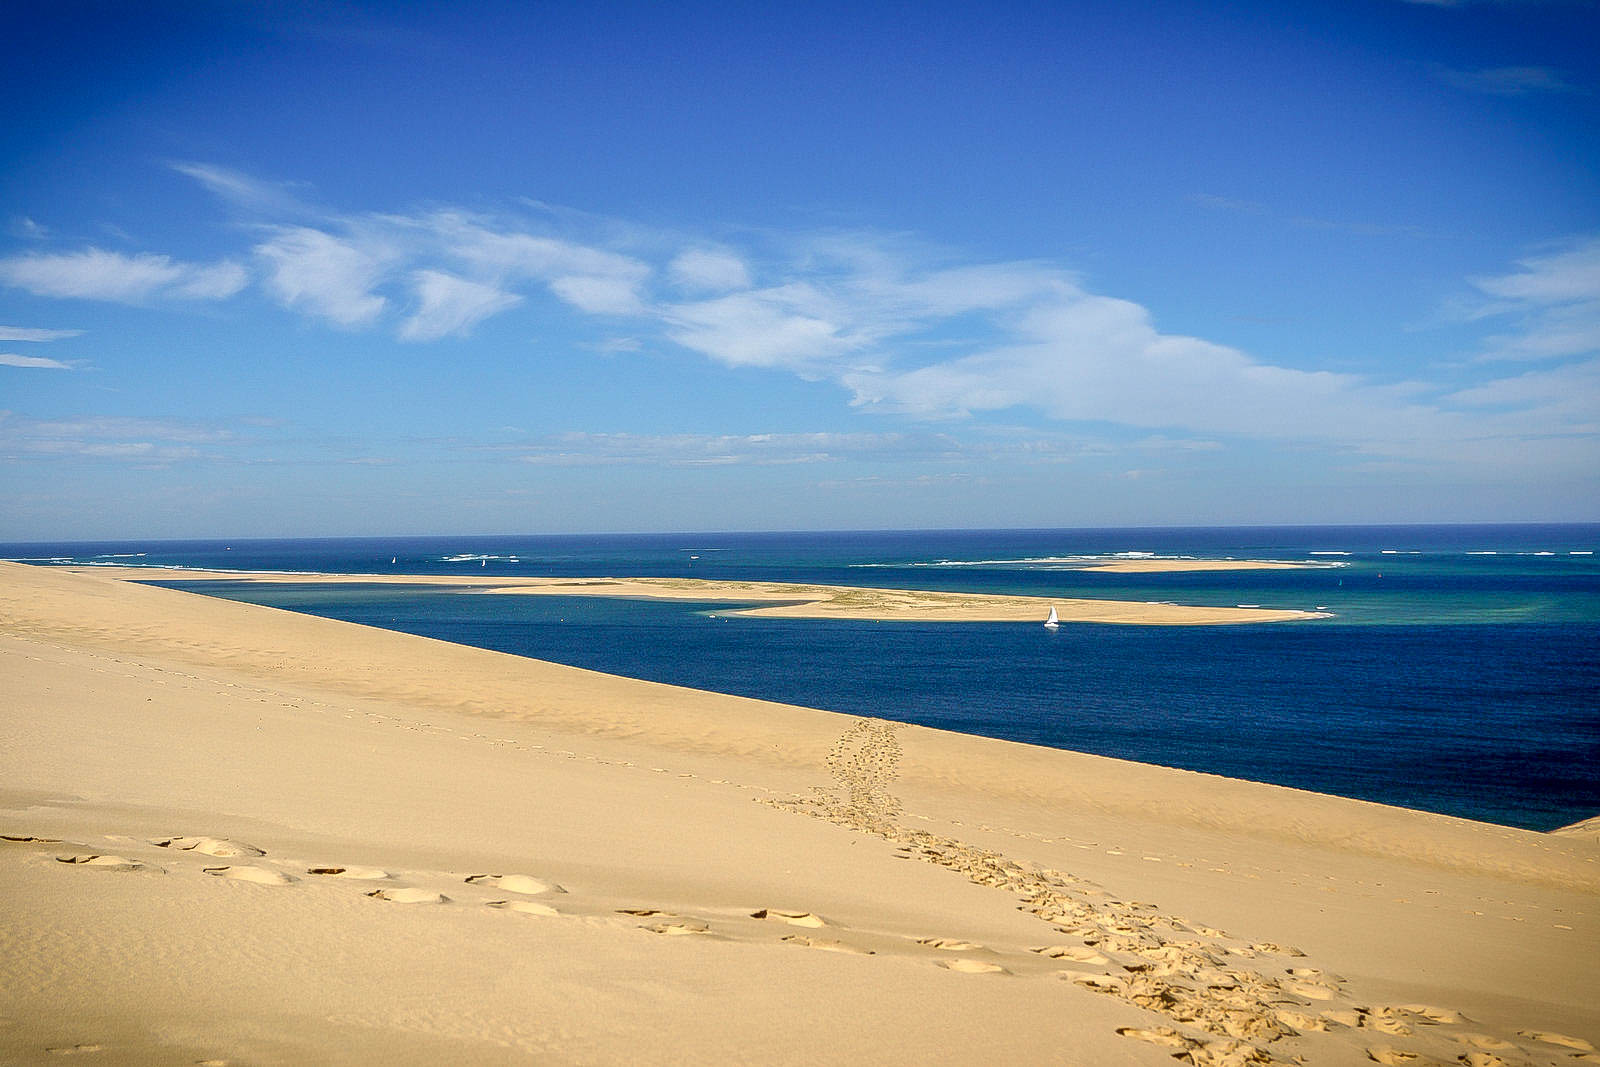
{"x": 230, "y": 833}
{"x": 792, "y": 600}
{"x": 1163, "y": 566}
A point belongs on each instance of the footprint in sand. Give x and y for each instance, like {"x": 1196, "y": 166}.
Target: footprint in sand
{"x": 1311, "y": 984}
{"x": 1302, "y": 1021}
{"x": 360, "y": 874}
{"x": 948, "y": 944}
{"x": 89, "y": 859}
{"x": 1428, "y": 1014}
{"x": 409, "y": 896}
{"x": 526, "y": 907}
{"x": 74, "y": 1050}
{"x": 1577, "y": 1044}
{"x": 221, "y": 848}
{"x": 793, "y": 918}
{"x": 1487, "y": 1041}
{"x": 825, "y": 945}
{"x": 1161, "y": 1035}
{"x": 973, "y": 967}
{"x": 671, "y": 925}
{"x": 1275, "y": 949}
{"x": 527, "y": 885}
{"x": 255, "y": 875}
{"x": 1311, "y": 991}
{"x": 1380, "y": 1019}
{"x": 1385, "y": 1055}
{"x": 1074, "y": 953}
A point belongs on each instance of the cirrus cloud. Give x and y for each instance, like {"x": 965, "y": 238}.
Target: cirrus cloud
{"x": 451, "y": 305}
{"x": 11, "y": 359}
{"x": 96, "y": 274}
{"x": 1552, "y": 300}
{"x": 24, "y": 333}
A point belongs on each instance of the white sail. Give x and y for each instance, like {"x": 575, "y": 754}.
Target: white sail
{"x": 1054, "y": 620}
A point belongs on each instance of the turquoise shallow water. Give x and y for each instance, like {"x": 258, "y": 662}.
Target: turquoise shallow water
{"x": 1450, "y": 679}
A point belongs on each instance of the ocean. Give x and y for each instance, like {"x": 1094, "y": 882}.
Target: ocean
{"x": 1459, "y": 674}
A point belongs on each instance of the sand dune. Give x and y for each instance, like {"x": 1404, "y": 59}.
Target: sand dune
{"x": 325, "y": 843}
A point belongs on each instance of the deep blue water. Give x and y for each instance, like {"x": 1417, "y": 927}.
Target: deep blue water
{"x": 1449, "y": 680}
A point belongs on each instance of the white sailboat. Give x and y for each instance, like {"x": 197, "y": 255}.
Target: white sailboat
{"x": 1054, "y": 620}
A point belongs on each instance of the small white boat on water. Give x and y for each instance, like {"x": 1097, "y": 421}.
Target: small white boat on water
{"x": 1054, "y": 620}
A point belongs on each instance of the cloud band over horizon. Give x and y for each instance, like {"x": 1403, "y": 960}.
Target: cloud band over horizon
{"x": 901, "y": 330}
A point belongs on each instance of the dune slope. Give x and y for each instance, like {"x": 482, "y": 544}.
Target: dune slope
{"x": 236, "y": 834}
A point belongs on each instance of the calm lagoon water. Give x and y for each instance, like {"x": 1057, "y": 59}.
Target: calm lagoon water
{"x": 1460, "y": 674}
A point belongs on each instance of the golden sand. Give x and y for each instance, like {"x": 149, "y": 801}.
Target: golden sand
{"x": 235, "y": 834}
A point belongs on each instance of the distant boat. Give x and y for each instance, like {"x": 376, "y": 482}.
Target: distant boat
{"x": 1054, "y": 620}
{"x": 391, "y": 560}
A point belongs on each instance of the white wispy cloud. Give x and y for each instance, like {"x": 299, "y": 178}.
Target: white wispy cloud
{"x": 215, "y": 282}
{"x": 1083, "y": 357}
{"x": 1552, "y": 301}
{"x": 243, "y": 190}
{"x": 1562, "y": 397}
{"x": 451, "y": 305}
{"x": 798, "y": 326}
{"x": 34, "y": 335}
{"x": 459, "y": 268}
{"x": 11, "y": 359}
{"x": 592, "y": 279}
{"x": 599, "y": 295}
{"x": 330, "y": 277}
{"x": 25, "y": 333}
{"x": 898, "y": 327}
{"x": 1506, "y": 81}
{"x": 29, "y": 229}
{"x": 718, "y": 450}
{"x": 1553, "y": 278}
{"x": 708, "y": 270}
{"x": 147, "y": 440}
{"x": 96, "y": 274}
{"x": 614, "y": 345}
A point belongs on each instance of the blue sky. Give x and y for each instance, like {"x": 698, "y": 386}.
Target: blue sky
{"x": 279, "y": 269}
